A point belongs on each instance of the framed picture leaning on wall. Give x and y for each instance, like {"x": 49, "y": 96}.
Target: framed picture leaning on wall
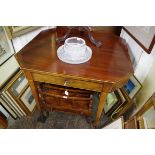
{"x": 132, "y": 87}
{"x": 7, "y": 107}
{"x": 13, "y": 92}
{"x": 28, "y": 99}
{"x": 16, "y": 31}
{"x": 18, "y": 85}
{"x": 143, "y": 35}
{"x": 113, "y": 101}
{"x": 6, "y": 47}
{"x": 7, "y": 70}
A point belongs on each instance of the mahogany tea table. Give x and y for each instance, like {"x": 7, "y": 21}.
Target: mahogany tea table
{"x": 108, "y": 69}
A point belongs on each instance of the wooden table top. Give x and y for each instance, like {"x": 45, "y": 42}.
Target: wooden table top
{"x": 109, "y": 63}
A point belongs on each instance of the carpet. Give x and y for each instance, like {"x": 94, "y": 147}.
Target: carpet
{"x": 60, "y": 120}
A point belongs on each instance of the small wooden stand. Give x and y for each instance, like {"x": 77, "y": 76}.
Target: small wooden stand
{"x": 81, "y": 29}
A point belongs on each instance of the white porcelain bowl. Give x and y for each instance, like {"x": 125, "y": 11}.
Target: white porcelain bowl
{"x": 74, "y": 51}
{"x": 75, "y": 48}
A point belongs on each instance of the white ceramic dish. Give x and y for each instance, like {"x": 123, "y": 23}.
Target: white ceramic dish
{"x": 66, "y": 57}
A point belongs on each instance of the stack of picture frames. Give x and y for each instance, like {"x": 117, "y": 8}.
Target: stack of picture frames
{"x": 142, "y": 119}
{"x": 17, "y": 97}
{"x": 119, "y": 101}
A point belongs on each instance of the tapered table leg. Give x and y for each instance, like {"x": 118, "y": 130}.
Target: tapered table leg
{"x": 103, "y": 97}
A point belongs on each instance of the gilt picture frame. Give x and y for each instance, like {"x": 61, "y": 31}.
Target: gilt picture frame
{"x": 6, "y": 47}
{"x": 19, "y": 85}
{"x": 13, "y": 90}
{"x": 112, "y": 102}
{"x": 146, "y": 115}
{"x": 16, "y": 31}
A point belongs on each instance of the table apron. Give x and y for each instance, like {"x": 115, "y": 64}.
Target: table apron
{"x": 69, "y": 82}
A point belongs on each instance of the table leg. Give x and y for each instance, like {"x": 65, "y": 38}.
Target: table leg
{"x": 43, "y": 116}
{"x": 103, "y": 97}
{"x": 44, "y": 112}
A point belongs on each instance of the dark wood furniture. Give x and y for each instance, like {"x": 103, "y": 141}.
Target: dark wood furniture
{"x": 3, "y": 121}
{"x": 116, "y": 30}
{"x": 81, "y": 29}
{"x": 108, "y": 69}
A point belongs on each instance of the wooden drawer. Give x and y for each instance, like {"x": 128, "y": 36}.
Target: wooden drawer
{"x": 69, "y": 82}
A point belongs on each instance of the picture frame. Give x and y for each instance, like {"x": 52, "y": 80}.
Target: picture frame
{"x": 111, "y": 100}
{"x": 12, "y": 92}
{"x": 124, "y": 106}
{"x": 143, "y": 35}
{"x": 149, "y": 118}
{"x": 132, "y": 87}
{"x": 7, "y": 107}
{"x": 6, "y": 47}
{"x": 131, "y": 123}
{"x": 116, "y": 124}
{"x": 4, "y": 111}
{"x": 19, "y": 85}
{"x": 12, "y": 105}
{"x": 16, "y": 31}
{"x": 7, "y": 70}
{"x": 122, "y": 97}
{"x": 146, "y": 115}
{"x": 113, "y": 104}
{"x": 28, "y": 99}
{"x": 125, "y": 98}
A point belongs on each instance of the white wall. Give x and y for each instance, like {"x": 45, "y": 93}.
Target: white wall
{"x": 21, "y": 41}
{"x": 148, "y": 87}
